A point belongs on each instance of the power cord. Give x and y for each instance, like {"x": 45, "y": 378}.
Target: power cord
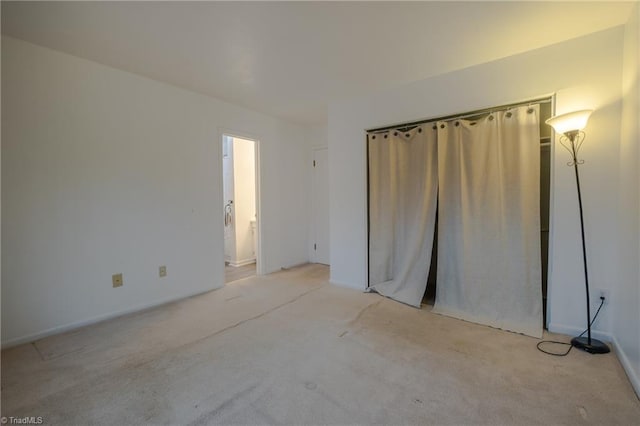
{"x": 569, "y": 344}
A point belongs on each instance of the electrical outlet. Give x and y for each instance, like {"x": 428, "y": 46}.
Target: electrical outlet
{"x": 116, "y": 280}
{"x": 602, "y": 292}
{"x": 162, "y": 271}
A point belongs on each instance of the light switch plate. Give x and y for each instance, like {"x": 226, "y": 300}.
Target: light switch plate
{"x": 162, "y": 271}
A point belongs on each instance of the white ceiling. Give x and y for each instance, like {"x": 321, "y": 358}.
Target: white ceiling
{"x": 291, "y": 59}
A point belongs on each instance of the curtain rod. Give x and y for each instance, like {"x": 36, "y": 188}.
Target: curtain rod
{"x": 544, "y": 100}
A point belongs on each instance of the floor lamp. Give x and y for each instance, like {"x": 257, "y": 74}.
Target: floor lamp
{"x": 570, "y": 127}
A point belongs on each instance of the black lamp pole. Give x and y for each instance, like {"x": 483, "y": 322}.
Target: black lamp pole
{"x": 587, "y": 344}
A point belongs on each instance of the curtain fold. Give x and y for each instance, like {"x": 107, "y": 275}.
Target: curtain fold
{"x": 403, "y": 187}
{"x": 489, "y": 267}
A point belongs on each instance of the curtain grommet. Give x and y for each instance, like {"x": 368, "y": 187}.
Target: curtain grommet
{"x": 420, "y": 130}
{"x": 435, "y": 127}
{"x": 406, "y": 135}
{"x": 385, "y": 136}
{"x": 530, "y": 110}
{"x": 373, "y": 137}
{"x": 508, "y": 115}
{"x": 491, "y": 118}
{"x": 442, "y": 126}
{"x": 457, "y": 123}
{"x": 395, "y": 133}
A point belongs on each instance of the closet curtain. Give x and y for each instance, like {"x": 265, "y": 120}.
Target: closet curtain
{"x": 489, "y": 268}
{"x": 403, "y": 188}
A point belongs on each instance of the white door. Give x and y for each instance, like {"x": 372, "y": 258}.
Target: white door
{"x": 321, "y": 205}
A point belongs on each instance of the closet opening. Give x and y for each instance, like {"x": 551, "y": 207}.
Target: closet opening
{"x": 545, "y": 135}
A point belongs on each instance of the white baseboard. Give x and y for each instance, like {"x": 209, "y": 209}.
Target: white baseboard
{"x": 574, "y": 331}
{"x": 632, "y": 374}
{"x": 347, "y": 285}
{"x": 78, "y": 324}
{"x": 628, "y": 367}
{"x": 243, "y": 262}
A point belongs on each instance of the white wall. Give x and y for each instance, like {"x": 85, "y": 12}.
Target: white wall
{"x": 244, "y": 200}
{"x": 626, "y": 324}
{"x": 104, "y": 171}
{"x": 584, "y": 73}
{"x": 318, "y": 136}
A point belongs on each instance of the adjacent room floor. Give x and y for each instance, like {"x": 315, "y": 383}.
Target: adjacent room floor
{"x": 235, "y": 273}
{"x": 289, "y": 348}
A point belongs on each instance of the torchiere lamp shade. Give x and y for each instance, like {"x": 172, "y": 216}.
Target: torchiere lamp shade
{"x": 572, "y": 121}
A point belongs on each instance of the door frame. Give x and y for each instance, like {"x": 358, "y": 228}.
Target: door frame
{"x": 314, "y": 227}
{"x": 222, "y": 132}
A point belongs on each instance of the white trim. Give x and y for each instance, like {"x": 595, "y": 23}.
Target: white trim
{"x": 243, "y": 262}
{"x": 574, "y": 331}
{"x": 79, "y": 324}
{"x": 632, "y": 374}
{"x": 365, "y": 212}
{"x": 313, "y": 258}
{"x": 550, "y": 245}
{"x": 347, "y": 285}
{"x": 224, "y": 131}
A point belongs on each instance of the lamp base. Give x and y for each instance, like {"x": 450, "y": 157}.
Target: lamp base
{"x": 595, "y": 347}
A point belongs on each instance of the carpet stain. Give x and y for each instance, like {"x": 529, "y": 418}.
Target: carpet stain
{"x": 461, "y": 347}
{"x": 33, "y": 344}
{"x": 310, "y": 385}
{"x": 49, "y": 356}
{"x": 225, "y": 406}
{"x": 344, "y": 333}
{"x": 583, "y": 412}
{"x": 275, "y": 308}
{"x": 363, "y": 310}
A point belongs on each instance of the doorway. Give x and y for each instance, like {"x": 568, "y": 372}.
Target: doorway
{"x": 241, "y": 206}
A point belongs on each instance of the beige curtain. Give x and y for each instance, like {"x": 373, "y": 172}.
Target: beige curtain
{"x": 489, "y": 269}
{"x": 403, "y": 187}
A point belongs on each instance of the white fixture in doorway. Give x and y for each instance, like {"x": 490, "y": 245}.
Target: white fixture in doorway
{"x": 241, "y": 200}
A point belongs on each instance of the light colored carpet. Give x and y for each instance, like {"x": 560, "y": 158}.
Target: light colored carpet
{"x": 289, "y": 348}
